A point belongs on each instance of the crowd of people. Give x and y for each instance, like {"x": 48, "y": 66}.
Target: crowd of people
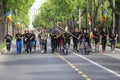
{"x": 27, "y": 40}
{"x": 81, "y": 40}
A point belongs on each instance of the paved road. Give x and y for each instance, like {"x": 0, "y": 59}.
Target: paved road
{"x": 36, "y": 66}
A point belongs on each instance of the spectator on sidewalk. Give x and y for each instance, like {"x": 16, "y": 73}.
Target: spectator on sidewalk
{"x": 18, "y": 37}
{"x": 8, "y": 39}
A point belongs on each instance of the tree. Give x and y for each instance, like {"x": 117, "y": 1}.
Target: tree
{"x": 116, "y": 10}
{"x": 20, "y": 9}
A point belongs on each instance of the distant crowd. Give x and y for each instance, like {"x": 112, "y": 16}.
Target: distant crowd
{"x": 82, "y": 40}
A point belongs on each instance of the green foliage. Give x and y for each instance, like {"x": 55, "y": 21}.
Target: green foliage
{"x": 53, "y": 11}
{"x": 20, "y": 10}
{"x": 2, "y": 45}
{"x": 57, "y": 10}
{"x": 117, "y": 6}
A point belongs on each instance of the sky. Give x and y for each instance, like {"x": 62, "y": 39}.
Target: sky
{"x": 37, "y": 4}
{"x": 35, "y": 10}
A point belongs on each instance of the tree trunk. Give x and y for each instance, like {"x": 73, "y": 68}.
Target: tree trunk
{"x": 3, "y": 23}
{"x": 118, "y": 25}
{"x": 96, "y": 7}
{"x": 86, "y": 14}
{"x": 91, "y": 19}
{"x": 95, "y": 17}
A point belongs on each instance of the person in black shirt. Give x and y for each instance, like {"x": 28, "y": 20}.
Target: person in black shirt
{"x": 76, "y": 35}
{"x": 96, "y": 39}
{"x": 104, "y": 36}
{"x": 113, "y": 37}
{"x": 18, "y": 37}
{"x": 45, "y": 49}
{"x": 66, "y": 41}
{"x": 29, "y": 43}
{"x": 24, "y": 40}
{"x": 33, "y": 41}
{"x": 81, "y": 39}
{"x": 8, "y": 39}
{"x": 86, "y": 41}
{"x": 87, "y": 37}
{"x": 53, "y": 42}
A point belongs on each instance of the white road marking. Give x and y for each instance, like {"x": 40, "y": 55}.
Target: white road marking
{"x": 94, "y": 63}
{"x": 102, "y": 67}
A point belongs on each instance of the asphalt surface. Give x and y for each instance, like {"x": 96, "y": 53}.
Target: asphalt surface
{"x": 49, "y": 66}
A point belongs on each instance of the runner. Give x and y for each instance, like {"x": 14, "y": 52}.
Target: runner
{"x": 66, "y": 42}
{"x": 76, "y": 36}
{"x": 96, "y": 39}
{"x": 113, "y": 37}
{"x": 29, "y": 42}
{"x": 86, "y": 41}
{"x": 45, "y": 49}
{"x": 59, "y": 38}
{"x": 8, "y": 39}
{"x": 42, "y": 37}
{"x": 24, "y": 40}
{"x": 104, "y": 36}
{"x": 33, "y": 41}
{"x": 18, "y": 37}
{"x": 81, "y": 40}
{"x": 53, "y": 42}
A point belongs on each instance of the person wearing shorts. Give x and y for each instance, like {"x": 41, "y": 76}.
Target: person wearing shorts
{"x": 42, "y": 37}
{"x": 8, "y": 39}
{"x": 96, "y": 39}
{"x": 33, "y": 41}
{"x": 113, "y": 37}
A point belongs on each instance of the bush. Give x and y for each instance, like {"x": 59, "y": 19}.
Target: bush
{"x": 2, "y": 45}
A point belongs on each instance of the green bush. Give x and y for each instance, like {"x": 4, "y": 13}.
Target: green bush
{"x": 2, "y": 45}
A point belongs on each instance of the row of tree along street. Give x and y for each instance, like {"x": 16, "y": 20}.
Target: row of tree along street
{"x": 19, "y": 15}
{"x": 80, "y": 13}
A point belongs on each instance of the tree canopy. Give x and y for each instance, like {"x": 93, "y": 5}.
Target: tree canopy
{"x": 20, "y": 10}
{"x": 67, "y": 11}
